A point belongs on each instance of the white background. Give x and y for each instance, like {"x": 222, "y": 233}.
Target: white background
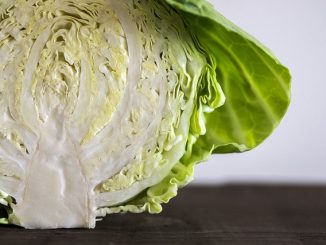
{"x": 295, "y": 30}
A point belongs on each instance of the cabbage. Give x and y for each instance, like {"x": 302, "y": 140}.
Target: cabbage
{"x": 106, "y": 106}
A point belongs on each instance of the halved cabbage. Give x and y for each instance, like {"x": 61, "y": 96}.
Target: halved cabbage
{"x": 106, "y": 106}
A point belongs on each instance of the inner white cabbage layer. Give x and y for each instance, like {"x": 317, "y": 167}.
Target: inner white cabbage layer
{"x": 95, "y": 103}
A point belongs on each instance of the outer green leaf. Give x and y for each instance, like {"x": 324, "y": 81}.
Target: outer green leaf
{"x": 255, "y": 84}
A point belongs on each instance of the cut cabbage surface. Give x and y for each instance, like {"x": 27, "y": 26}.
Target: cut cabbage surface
{"x": 106, "y": 105}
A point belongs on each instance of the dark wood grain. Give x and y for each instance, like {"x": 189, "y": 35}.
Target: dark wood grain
{"x": 205, "y": 215}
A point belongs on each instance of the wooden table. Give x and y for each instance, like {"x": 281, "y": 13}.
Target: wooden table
{"x": 206, "y": 215}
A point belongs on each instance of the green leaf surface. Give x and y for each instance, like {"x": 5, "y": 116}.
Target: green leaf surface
{"x": 255, "y": 84}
